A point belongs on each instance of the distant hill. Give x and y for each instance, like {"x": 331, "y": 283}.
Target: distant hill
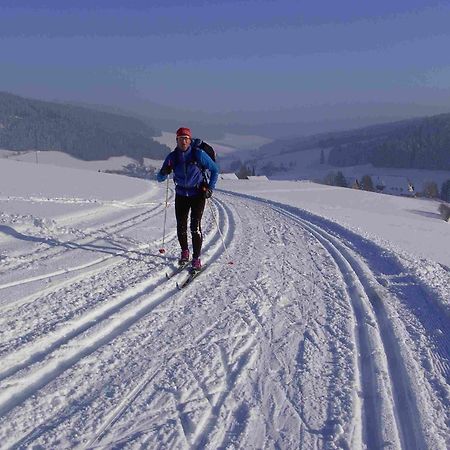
{"x": 416, "y": 144}
{"x": 27, "y": 124}
{"x": 422, "y": 143}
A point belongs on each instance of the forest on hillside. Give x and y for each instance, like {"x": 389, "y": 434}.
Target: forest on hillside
{"x": 420, "y": 143}
{"x": 416, "y": 144}
{"x": 27, "y": 124}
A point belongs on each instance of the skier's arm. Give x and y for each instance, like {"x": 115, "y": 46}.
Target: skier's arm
{"x": 209, "y": 164}
{"x": 166, "y": 169}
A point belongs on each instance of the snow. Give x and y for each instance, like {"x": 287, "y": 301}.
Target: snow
{"x": 61, "y": 159}
{"x": 228, "y": 176}
{"x": 330, "y": 329}
{"x": 305, "y": 165}
{"x": 257, "y": 178}
{"x": 413, "y": 225}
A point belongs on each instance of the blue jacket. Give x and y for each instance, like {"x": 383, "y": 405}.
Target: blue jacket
{"x": 187, "y": 170}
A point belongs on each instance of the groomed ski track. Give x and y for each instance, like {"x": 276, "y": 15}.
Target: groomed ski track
{"x": 313, "y": 338}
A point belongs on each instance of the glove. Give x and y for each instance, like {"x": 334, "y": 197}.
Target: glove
{"x": 205, "y": 190}
{"x": 160, "y": 177}
{"x": 167, "y": 170}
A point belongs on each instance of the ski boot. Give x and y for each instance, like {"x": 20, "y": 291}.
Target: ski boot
{"x": 196, "y": 265}
{"x": 184, "y": 258}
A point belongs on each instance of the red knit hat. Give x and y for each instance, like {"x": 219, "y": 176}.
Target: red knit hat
{"x": 184, "y": 132}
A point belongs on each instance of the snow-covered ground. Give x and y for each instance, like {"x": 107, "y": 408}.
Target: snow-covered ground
{"x": 306, "y": 165}
{"x": 330, "y": 329}
{"x": 61, "y": 159}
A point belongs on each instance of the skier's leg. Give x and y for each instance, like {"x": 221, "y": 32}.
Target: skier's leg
{"x": 197, "y": 208}
{"x": 182, "y": 206}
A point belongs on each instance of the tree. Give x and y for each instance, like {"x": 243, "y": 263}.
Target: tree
{"x": 367, "y": 183}
{"x": 243, "y": 172}
{"x": 445, "y": 211}
{"x": 430, "y": 189}
{"x": 330, "y": 178}
{"x": 322, "y": 157}
{"x": 445, "y": 191}
{"x": 340, "y": 180}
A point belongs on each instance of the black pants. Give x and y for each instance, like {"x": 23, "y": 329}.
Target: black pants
{"x": 182, "y": 206}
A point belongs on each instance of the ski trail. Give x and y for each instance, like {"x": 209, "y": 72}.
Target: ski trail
{"x": 103, "y": 263}
{"x": 226, "y": 223}
{"x": 380, "y": 371}
{"x": 370, "y": 316}
{"x": 89, "y": 282}
{"x": 69, "y": 346}
{"x": 212, "y": 423}
{"x": 294, "y": 346}
{"x": 87, "y": 241}
{"x": 42, "y": 347}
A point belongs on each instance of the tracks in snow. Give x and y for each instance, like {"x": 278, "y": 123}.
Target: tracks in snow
{"x": 27, "y": 370}
{"x": 385, "y": 391}
{"x": 247, "y": 364}
{"x": 87, "y": 241}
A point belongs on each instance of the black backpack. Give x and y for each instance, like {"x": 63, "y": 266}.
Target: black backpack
{"x": 202, "y": 145}
{"x": 208, "y": 150}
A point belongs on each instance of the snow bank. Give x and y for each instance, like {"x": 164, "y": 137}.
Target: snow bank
{"x": 411, "y": 224}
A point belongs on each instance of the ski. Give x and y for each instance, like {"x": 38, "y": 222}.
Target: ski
{"x": 191, "y": 277}
{"x": 178, "y": 270}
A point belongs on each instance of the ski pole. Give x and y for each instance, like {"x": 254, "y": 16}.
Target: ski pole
{"x": 220, "y": 232}
{"x": 162, "y": 249}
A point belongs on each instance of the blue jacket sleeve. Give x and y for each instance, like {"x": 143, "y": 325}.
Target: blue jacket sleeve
{"x": 209, "y": 164}
{"x": 167, "y": 164}
{"x": 160, "y": 177}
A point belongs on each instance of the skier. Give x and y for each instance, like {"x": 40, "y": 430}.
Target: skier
{"x": 188, "y": 163}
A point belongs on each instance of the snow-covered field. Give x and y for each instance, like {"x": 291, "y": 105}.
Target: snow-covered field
{"x": 330, "y": 329}
{"x": 61, "y": 159}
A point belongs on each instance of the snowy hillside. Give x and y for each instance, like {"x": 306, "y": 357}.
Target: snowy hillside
{"x": 230, "y": 143}
{"x": 330, "y": 329}
{"x": 306, "y": 165}
{"x": 61, "y": 159}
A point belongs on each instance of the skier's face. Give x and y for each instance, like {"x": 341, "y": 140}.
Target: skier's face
{"x": 183, "y": 142}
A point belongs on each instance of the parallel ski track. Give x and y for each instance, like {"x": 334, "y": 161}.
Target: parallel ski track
{"x": 56, "y": 248}
{"x": 199, "y": 437}
{"x": 113, "y": 256}
{"x": 366, "y": 304}
{"x": 372, "y": 327}
{"x": 209, "y": 429}
{"x": 99, "y": 313}
{"x": 226, "y": 223}
{"x": 69, "y": 346}
{"x": 373, "y": 331}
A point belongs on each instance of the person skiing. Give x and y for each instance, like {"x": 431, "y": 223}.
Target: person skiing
{"x": 188, "y": 163}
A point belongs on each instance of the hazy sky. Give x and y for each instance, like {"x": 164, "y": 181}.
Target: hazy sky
{"x": 229, "y": 55}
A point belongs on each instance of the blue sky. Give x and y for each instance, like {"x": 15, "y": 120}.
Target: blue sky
{"x": 220, "y": 56}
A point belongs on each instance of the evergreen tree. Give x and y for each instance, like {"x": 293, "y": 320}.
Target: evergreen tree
{"x": 322, "y": 157}
{"x": 445, "y": 191}
{"x": 367, "y": 183}
{"x": 340, "y": 180}
{"x": 243, "y": 172}
{"x": 330, "y": 178}
{"x": 431, "y": 190}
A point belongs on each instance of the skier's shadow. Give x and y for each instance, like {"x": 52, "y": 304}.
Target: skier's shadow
{"x": 111, "y": 250}
{"x": 429, "y": 214}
